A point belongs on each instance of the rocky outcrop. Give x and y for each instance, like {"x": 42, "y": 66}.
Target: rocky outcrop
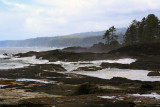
{"x": 31, "y": 72}
{"x": 115, "y": 65}
{"x": 153, "y": 74}
{"x": 139, "y": 65}
{"x": 59, "y": 55}
{"x": 51, "y": 67}
{"x": 90, "y": 68}
{"x": 87, "y": 88}
{"x": 145, "y": 87}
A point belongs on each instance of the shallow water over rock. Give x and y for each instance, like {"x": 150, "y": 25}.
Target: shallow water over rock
{"x": 152, "y": 95}
{"x": 70, "y": 66}
{"x": 126, "y": 73}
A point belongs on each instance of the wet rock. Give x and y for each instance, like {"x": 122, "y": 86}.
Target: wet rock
{"x": 59, "y": 55}
{"x": 87, "y": 88}
{"x": 114, "y": 65}
{"x": 31, "y": 53}
{"x": 146, "y": 64}
{"x": 52, "y": 67}
{"x": 120, "y": 80}
{"x": 139, "y": 65}
{"x": 139, "y": 49}
{"x": 81, "y": 63}
{"x": 5, "y": 54}
{"x": 91, "y": 68}
{"x": 25, "y": 105}
{"x": 153, "y": 74}
{"x": 52, "y": 74}
{"x": 31, "y": 71}
{"x": 146, "y": 87}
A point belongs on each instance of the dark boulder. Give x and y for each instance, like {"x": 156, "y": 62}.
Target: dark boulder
{"x": 146, "y": 87}
{"x": 91, "y": 68}
{"x": 87, "y": 88}
{"x": 153, "y": 74}
{"x": 114, "y": 65}
{"x": 51, "y": 67}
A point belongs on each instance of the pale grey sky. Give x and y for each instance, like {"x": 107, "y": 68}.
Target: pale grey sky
{"x": 22, "y": 19}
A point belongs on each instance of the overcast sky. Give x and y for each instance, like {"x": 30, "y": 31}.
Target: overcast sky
{"x": 22, "y": 19}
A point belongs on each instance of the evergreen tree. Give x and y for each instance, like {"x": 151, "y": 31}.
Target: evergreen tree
{"x": 130, "y": 36}
{"x": 148, "y": 30}
{"x": 151, "y": 28}
{"x": 113, "y": 35}
{"x": 158, "y": 38}
{"x": 141, "y": 30}
{"x": 110, "y": 36}
{"x": 107, "y": 37}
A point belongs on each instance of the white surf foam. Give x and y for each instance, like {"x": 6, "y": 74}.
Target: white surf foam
{"x": 3, "y": 56}
{"x": 70, "y": 66}
{"x": 34, "y": 80}
{"x": 30, "y": 60}
{"x": 120, "y": 61}
{"x": 13, "y": 63}
{"x": 152, "y": 95}
{"x": 107, "y": 97}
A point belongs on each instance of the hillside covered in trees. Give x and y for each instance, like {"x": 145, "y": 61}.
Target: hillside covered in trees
{"x": 79, "y": 39}
{"x": 139, "y": 32}
{"x": 145, "y": 31}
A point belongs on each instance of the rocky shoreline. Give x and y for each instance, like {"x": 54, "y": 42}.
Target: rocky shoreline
{"x": 51, "y": 85}
{"x": 60, "y": 89}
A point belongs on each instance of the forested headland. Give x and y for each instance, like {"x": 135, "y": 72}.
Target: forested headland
{"x": 145, "y": 31}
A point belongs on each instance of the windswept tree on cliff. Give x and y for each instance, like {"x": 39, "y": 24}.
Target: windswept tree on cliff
{"x": 110, "y": 36}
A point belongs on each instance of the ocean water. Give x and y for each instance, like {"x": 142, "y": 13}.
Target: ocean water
{"x": 70, "y": 66}
{"x": 24, "y": 49}
{"x": 10, "y": 62}
{"x": 108, "y": 73}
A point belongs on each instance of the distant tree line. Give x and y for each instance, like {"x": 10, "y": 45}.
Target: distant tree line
{"x": 145, "y": 31}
